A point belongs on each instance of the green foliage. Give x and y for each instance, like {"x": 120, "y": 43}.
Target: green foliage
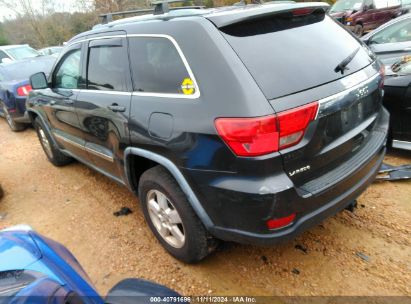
{"x": 209, "y": 3}
{"x": 3, "y": 39}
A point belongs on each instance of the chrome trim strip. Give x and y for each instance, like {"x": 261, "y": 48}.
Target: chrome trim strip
{"x": 100, "y": 154}
{"x": 73, "y": 143}
{"x": 196, "y": 94}
{"x": 324, "y": 101}
{"x": 106, "y": 92}
{"x": 84, "y": 148}
{"x": 401, "y": 144}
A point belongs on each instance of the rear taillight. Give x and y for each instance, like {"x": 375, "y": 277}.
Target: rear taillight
{"x": 24, "y": 90}
{"x": 294, "y": 122}
{"x": 249, "y": 136}
{"x": 263, "y": 135}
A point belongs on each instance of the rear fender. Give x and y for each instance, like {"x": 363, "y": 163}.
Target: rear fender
{"x": 176, "y": 173}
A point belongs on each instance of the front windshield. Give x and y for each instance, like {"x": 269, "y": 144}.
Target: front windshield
{"x": 346, "y": 5}
{"x": 23, "y": 52}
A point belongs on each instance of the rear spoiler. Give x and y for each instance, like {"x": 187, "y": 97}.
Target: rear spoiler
{"x": 246, "y": 13}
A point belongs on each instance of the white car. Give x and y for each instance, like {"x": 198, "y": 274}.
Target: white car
{"x": 52, "y": 50}
{"x": 16, "y": 52}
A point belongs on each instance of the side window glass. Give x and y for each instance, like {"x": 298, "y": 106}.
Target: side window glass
{"x": 68, "y": 73}
{"x": 108, "y": 68}
{"x": 157, "y": 67}
{"x": 397, "y": 32}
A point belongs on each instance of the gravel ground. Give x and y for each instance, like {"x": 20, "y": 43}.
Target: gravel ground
{"x": 363, "y": 253}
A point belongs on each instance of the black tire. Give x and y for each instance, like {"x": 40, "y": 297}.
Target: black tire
{"x": 53, "y": 153}
{"x": 14, "y": 126}
{"x": 358, "y": 30}
{"x": 198, "y": 243}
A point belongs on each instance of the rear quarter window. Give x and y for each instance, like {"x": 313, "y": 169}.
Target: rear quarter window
{"x": 157, "y": 67}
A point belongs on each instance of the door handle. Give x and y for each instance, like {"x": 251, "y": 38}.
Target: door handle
{"x": 68, "y": 101}
{"x": 116, "y": 108}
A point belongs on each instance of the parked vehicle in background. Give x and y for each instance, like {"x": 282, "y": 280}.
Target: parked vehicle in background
{"x": 365, "y": 15}
{"x": 15, "y": 86}
{"x": 35, "y": 269}
{"x": 255, "y": 144}
{"x": 397, "y": 99}
{"x": 52, "y": 50}
{"x": 16, "y": 52}
{"x": 405, "y": 6}
{"x": 391, "y": 41}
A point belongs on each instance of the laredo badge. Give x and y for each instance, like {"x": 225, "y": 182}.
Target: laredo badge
{"x": 187, "y": 86}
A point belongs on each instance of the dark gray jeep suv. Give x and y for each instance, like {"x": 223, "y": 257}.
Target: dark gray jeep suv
{"x": 248, "y": 123}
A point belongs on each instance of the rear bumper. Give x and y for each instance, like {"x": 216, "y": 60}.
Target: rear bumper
{"x": 239, "y": 207}
{"x": 308, "y": 220}
{"x": 18, "y": 111}
{"x": 21, "y": 118}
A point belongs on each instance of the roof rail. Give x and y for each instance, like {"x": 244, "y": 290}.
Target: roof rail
{"x": 160, "y": 7}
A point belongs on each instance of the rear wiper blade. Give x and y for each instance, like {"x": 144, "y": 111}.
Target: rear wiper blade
{"x": 342, "y": 66}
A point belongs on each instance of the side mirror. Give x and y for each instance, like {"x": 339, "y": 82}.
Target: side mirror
{"x": 6, "y": 60}
{"x": 38, "y": 81}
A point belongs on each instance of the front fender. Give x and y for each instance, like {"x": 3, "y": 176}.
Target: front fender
{"x": 33, "y": 114}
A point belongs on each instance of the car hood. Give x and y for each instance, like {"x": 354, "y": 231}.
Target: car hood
{"x": 17, "y": 249}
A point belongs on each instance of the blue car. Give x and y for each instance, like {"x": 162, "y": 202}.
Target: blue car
{"x": 15, "y": 86}
{"x": 37, "y": 270}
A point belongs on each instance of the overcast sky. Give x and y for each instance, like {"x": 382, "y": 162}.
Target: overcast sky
{"x": 59, "y": 6}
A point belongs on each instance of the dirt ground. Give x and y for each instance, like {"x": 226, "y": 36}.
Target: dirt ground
{"x": 363, "y": 253}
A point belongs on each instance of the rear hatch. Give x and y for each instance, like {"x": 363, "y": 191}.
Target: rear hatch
{"x": 292, "y": 52}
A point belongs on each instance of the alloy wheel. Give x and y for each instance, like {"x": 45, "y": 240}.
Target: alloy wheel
{"x": 45, "y": 142}
{"x": 165, "y": 218}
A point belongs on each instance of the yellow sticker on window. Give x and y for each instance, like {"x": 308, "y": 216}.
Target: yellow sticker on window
{"x": 187, "y": 86}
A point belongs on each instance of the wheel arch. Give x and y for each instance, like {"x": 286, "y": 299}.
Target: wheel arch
{"x": 174, "y": 171}
{"x": 33, "y": 114}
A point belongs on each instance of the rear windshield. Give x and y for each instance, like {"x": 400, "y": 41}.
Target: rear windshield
{"x": 287, "y": 54}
